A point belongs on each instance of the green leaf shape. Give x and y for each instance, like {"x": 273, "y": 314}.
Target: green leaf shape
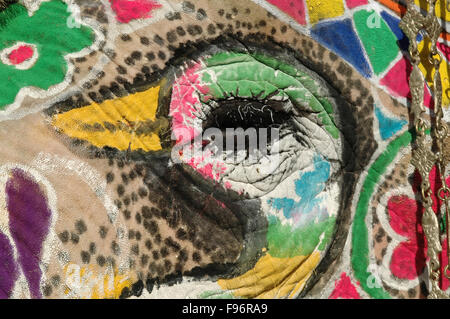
{"x": 284, "y": 241}
{"x": 249, "y": 75}
{"x": 48, "y": 30}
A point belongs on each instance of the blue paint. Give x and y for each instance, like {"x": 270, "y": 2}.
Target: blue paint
{"x": 340, "y": 37}
{"x": 308, "y": 187}
{"x": 392, "y": 22}
{"x": 285, "y": 204}
{"x": 388, "y": 126}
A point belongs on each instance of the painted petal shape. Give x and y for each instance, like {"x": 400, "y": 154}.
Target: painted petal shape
{"x": 29, "y": 221}
{"x": 8, "y": 268}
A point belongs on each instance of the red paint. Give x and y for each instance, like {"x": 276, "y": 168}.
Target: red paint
{"x": 405, "y": 215}
{"x": 294, "y": 8}
{"x": 445, "y": 50}
{"x": 127, "y": 10}
{"x": 344, "y": 289}
{"x": 355, "y": 3}
{"x": 21, "y": 54}
{"x": 408, "y": 258}
{"x": 397, "y": 81}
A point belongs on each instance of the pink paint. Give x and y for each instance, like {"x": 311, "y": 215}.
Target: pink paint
{"x": 355, "y": 3}
{"x": 221, "y": 204}
{"x": 185, "y": 102}
{"x": 207, "y": 168}
{"x": 397, "y": 81}
{"x": 344, "y": 289}
{"x": 21, "y": 54}
{"x": 294, "y": 8}
{"x": 127, "y": 10}
{"x": 445, "y": 50}
{"x": 405, "y": 215}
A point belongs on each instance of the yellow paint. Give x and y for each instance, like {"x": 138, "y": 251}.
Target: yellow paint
{"x": 273, "y": 277}
{"x": 126, "y": 114}
{"x": 87, "y": 283}
{"x": 426, "y": 68}
{"x": 441, "y": 8}
{"x": 324, "y": 9}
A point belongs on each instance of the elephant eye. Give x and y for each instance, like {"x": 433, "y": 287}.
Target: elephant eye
{"x": 255, "y": 120}
{"x": 265, "y": 126}
{"x": 245, "y": 112}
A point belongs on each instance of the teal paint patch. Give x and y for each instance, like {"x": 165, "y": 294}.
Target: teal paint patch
{"x": 308, "y": 187}
{"x": 388, "y": 126}
{"x": 308, "y": 222}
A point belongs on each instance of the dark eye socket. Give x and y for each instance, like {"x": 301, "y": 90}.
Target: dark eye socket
{"x": 246, "y": 113}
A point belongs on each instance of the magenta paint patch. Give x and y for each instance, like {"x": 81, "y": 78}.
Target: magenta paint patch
{"x": 213, "y": 170}
{"x": 445, "y": 50}
{"x": 356, "y": 3}
{"x": 127, "y": 10}
{"x": 185, "y": 102}
{"x": 184, "y": 105}
{"x": 344, "y": 289}
{"x": 20, "y": 54}
{"x": 294, "y": 8}
{"x": 397, "y": 82}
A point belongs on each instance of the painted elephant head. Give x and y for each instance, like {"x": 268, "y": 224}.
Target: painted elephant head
{"x": 207, "y": 149}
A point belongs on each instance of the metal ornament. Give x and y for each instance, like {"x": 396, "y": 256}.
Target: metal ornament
{"x": 424, "y": 155}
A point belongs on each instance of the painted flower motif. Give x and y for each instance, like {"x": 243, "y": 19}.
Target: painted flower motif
{"x": 405, "y": 213}
{"x": 32, "y": 48}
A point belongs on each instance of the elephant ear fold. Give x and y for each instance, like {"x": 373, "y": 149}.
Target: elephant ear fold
{"x": 124, "y": 123}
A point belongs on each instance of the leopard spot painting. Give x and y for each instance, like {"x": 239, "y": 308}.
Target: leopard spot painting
{"x": 224, "y": 149}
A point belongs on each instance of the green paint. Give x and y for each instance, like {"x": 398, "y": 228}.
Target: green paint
{"x": 48, "y": 30}
{"x": 285, "y": 242}
{"x": 360, "y": 240}
{"x": 247, "y": 75}
{"x": 378, "y": 40}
